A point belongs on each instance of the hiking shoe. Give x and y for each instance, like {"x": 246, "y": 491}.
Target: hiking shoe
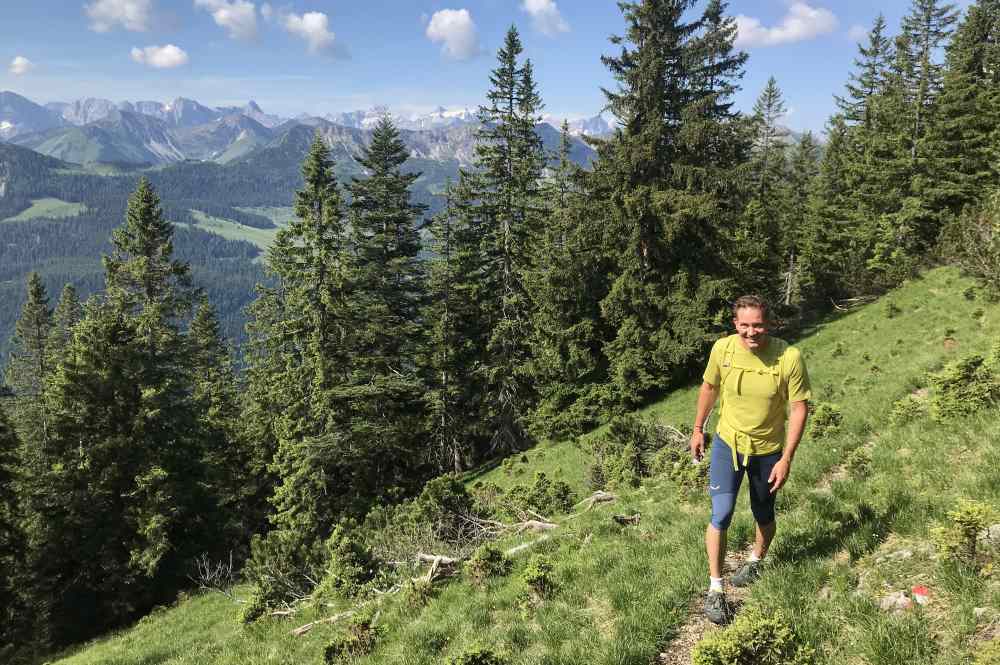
{"x": 748, "y": 574}
{"x": 716, "y": 607}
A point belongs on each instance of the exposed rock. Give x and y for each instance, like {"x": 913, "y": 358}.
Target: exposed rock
{"x": 991, "y": 534}
{"x": 896, "y": 602}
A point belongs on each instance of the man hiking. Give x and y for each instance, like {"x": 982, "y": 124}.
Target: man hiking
{"x": 755, "y": 376}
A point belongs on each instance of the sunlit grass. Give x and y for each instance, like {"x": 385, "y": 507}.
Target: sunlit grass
{"x": 47, "y": 208}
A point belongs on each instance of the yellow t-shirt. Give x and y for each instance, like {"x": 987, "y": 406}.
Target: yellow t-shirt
{"x": 756, "y": 390}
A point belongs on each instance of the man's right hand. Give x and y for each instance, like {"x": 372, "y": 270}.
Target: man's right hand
{"x": 698, "y": 445}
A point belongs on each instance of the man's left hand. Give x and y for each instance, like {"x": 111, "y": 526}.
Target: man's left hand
{"x": 779, "y": 474}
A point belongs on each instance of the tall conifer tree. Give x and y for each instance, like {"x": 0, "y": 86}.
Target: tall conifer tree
{"x": 869, "y": 77}
{"x": 30, "y": 364}
{"x": 668, "y": 175}
{"x": 566, "y": 280}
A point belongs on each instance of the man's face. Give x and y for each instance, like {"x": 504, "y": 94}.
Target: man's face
{"x": 751, "y": 327}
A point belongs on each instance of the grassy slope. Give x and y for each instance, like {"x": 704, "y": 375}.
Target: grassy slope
{"x": 624, "y": 592}
{"x": 48, "y": 208}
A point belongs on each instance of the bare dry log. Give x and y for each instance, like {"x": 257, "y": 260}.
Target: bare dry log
{"x": 534, "y": 526}
{"x": 302, "y": 630}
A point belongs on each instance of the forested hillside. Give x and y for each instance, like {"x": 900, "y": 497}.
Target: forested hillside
{"x": 543, "y": 301}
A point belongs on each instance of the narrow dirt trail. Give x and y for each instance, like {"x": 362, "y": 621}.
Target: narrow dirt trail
{"x": 678, "y": 652}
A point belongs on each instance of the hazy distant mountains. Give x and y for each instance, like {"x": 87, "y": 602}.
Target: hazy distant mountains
{"x": 149, "y": 133}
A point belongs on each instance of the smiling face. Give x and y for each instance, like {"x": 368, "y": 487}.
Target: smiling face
{"x": 751, "y": 326}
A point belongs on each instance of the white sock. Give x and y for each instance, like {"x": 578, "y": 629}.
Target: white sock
{"x": 715, "y": 584}
{"x": 753, "y": 558}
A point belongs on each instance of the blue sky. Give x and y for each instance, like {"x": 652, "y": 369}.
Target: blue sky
{"x": 320, "y": 56}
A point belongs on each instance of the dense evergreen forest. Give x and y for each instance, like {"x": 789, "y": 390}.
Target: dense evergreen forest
{"x": 554, "y": 297}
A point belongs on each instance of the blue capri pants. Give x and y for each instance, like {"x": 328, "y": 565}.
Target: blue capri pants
{"x": 724, "y": 484}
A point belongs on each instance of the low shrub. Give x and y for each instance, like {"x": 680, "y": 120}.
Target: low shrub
{"x": 417, "y": 592}
{"x": 478, "y": 656}
{"x": 958, "y": 536}
{"x": 487, "y": 562}
{"x": 858, "y": 461}
{"x": 350, "y": 565}
{"x": 359, "y": 640}
{"x": 676, "y": 464}
{"x": 543, "y": 496}
{"x": 963, "y": 387}
{"x": 255, "y": 607}
{"x": 825, "y": 420}
{"x": 624, "y": 455}
{"x": 537, "y": 575}
{"x": 756, "y": 636}
{"x": 442, "y": 503}
{"x": 282, "y": 568}
{"x": 907, "y": 410}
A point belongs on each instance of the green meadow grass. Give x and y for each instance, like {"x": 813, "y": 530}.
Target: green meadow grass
{"x": 48, "y": 208}
{"x": 622, "y": 592}
{"x": 230, "y": 230}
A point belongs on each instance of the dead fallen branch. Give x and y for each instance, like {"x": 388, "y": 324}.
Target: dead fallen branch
{"x": 442, "y": 565}
{"x": 302, "y": 630}
{"x": 534, "y": 526}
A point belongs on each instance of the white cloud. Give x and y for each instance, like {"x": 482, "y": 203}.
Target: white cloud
{"x": 266, "y": 11}
{"x": 545, "y": 16}
{"x": 800, "y": 23}
{"x": 134, "y": 15}
{"x": 160, "y": 57}
{"x": 857, "y": 32}
{"x": 20, "y": 66}
{"x": 456, "y": 31}
{"x": 312, "y": 27}
{"x": 239, "y": 17}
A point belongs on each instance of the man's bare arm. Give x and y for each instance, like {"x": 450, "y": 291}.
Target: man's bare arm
{"x": 706, "y": 400}
{"x": 797, "y": 414}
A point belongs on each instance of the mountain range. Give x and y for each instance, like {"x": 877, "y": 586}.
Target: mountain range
{"x": 149, "y": 133}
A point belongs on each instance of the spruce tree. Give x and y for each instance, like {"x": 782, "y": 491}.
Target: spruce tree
{"x": 768, "y": 161}
{"x": 224, "y": 455}
{"x": 12, "y": 611}
{"x": 67, "y": 314}
{"x": 927, "y": 27}
{"x": 29, "y": 364}
{"x": 566, "y": 281}
{"x": 872, "y": 65}
{"x": 803, "y": 169}
{"x": 508, "y": 166}
{"x": 387, "y": 292}
{"x": 456, "y": 338}
{"x": 495, "y": 216}
{"x": 669, "y": 177}
{"x": 312, "y": 465}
